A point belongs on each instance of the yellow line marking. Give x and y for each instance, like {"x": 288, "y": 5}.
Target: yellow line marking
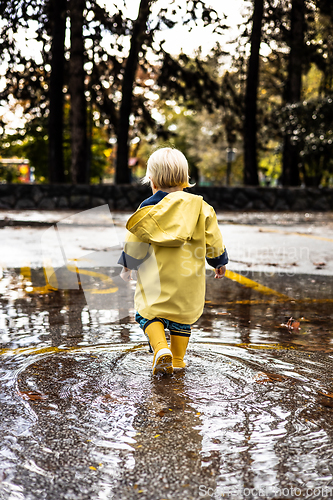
{"x": 265, "y": 346}
{"x": 258, "y": 302}
{"x": 315, "y": 301}
{"x": 27, "y": 351}
{"x": 253, "y": 284}
{"x": 305, "y": 235}
{"x": 274, "y": 300}
{"x": 35, "y": 350}
{"x": 50, "y": 276}
{"x": 26, "y": 273}
{"x": 103, "y": 277}
{"x": 245, "y": 345}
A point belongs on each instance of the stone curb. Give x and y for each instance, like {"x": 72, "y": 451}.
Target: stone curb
{"x": 129, "y": 197}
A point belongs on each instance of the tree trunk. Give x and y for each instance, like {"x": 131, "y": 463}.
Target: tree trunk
{"x": 123, "y": 173}
{"x": 79, "y": 165}
{"x": 252, "y": 82}
{"x": 291, "y": 159}
{"x": 56, "y": 158}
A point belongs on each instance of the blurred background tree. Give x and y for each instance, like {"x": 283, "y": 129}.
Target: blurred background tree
{"x": 102, "y": 91}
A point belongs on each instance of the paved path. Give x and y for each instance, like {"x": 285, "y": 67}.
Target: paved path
{"x": 291, "y": 243}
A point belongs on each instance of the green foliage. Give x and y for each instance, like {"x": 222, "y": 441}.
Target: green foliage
{"x": 270, "y": 162}
{"x": 178, "y": 100}
{"x": 201, "y": 114}
{"x": 189, "y": 80}
{"x": 202, "y": 137}
{"x": 99, "y": 161}
{"x": 310, "y": 127}
{"x": 28, "y": 82}
{"x": 29, "y": 143}
{"x": 9, "y": 175}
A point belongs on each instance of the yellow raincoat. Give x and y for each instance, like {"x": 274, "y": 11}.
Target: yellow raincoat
{"x": 171, "y": 240}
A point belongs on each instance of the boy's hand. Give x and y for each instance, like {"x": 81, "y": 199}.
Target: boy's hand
{"x": 126, "y": 274}
{"x": 220, "y": 272}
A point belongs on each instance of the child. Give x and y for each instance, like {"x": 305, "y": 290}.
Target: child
{"x": 170, "y": 235}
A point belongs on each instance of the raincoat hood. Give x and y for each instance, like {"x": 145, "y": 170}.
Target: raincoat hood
{"x": 169, "y": 223}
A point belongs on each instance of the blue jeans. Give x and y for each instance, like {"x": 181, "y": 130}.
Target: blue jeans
{"x": 174, "y": 328}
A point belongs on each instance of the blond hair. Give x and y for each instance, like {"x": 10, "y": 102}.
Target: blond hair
{"x": 167, "y": 168}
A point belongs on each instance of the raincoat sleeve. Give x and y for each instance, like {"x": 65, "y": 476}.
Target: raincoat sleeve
{"x": 216, "y": 253}
{"x": 135, "y": 252}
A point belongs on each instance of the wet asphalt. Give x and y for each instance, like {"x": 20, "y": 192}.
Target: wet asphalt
{"x": 82, "y": 416}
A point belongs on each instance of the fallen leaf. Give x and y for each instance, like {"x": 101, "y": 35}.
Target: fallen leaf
{"x": 157, "y": 435}
{"x": 263, "y": 377}
{"x": 92, "y": 468}
{"x": 327, "y": 395}
{"x": 326, "y": 401}
{"x": 291, "y": 324}
{"x": 275, "y": 377}
{"x": 32, "y": 396}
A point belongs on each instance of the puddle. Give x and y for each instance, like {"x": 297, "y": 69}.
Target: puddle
{"x": 251, "y": 417}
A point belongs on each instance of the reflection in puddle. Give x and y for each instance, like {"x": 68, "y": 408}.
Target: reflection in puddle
{"x": 83, "y": 417}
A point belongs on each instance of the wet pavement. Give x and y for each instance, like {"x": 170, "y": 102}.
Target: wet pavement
{"x": 250, "y": 417}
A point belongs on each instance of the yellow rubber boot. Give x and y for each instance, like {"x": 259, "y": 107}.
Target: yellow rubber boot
{"x": 162, "y": 362}
{"x": 178, "y": 349}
